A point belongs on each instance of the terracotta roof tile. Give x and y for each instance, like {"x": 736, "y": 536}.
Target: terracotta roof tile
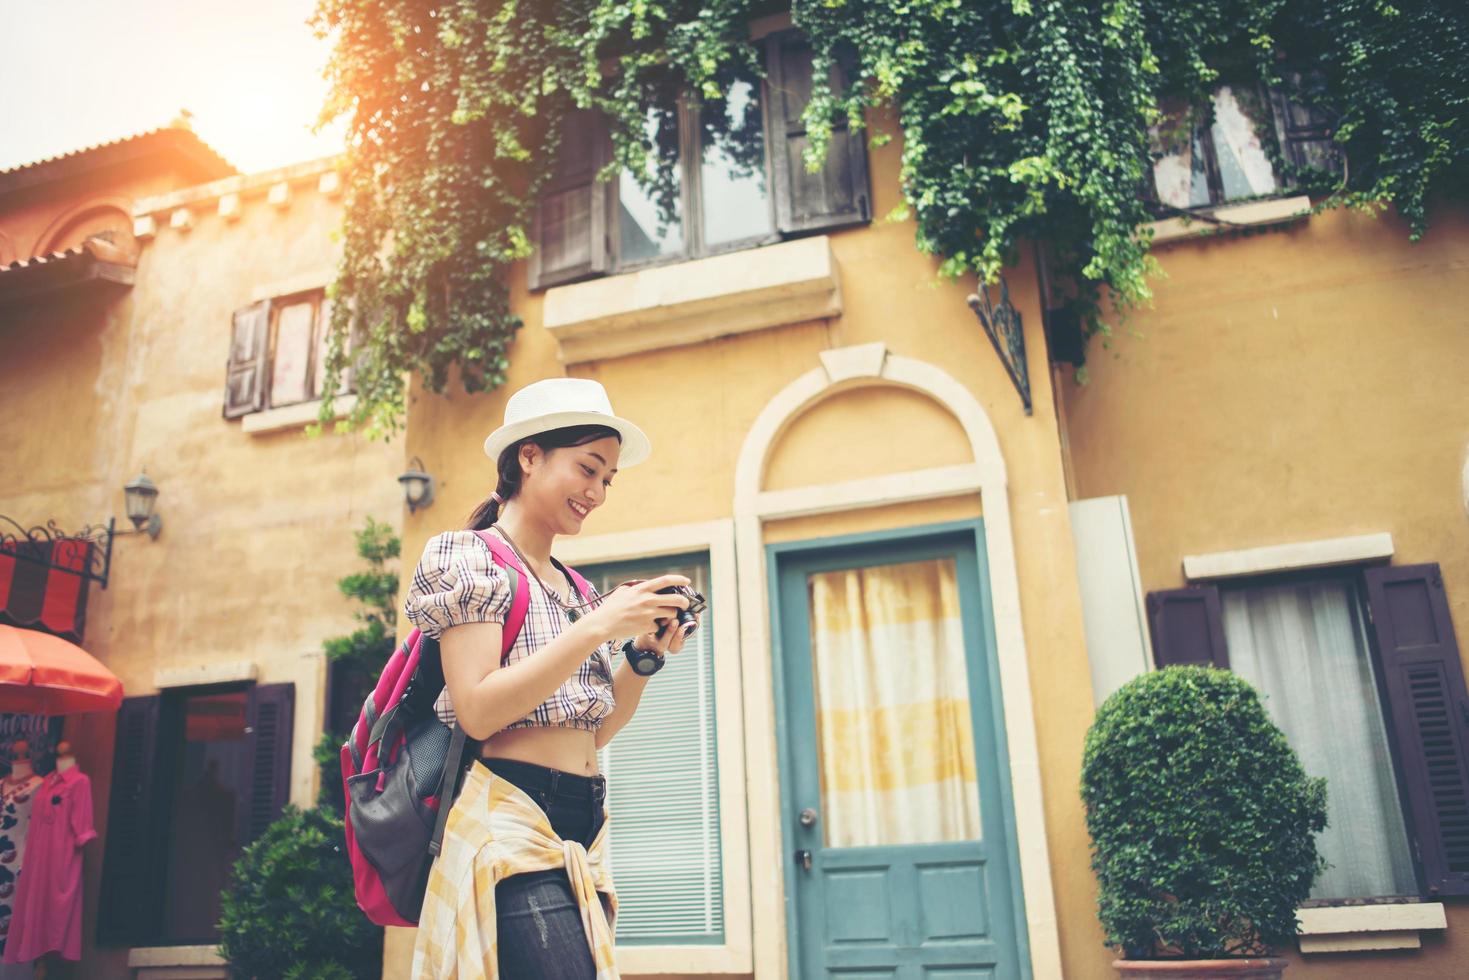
{"x": 180, "y": 137}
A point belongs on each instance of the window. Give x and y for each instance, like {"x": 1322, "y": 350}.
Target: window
{"x": 198, "y": 773}
{"x": 1304, "y": 646}
{"x": 663, "y": 788}
{"x": 1203, "y": 162}
{"x": 278, "y": 351}
{"x": 1361, "y": 671}
{"x": 725, "y": 174}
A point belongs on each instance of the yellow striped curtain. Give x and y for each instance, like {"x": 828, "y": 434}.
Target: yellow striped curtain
{"x": 892, "y": 706}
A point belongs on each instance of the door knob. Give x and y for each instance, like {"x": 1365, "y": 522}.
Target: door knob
{"x": 808, "y": 817}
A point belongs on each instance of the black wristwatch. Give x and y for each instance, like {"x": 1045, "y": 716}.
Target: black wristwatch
{"x": 644, "y": 663}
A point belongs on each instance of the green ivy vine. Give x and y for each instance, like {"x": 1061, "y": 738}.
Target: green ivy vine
{"x": 1023, "y": 123}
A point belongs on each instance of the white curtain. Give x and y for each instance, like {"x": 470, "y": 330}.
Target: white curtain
{"x": 1303, "y": 647}
{"x": 892, "y": 706}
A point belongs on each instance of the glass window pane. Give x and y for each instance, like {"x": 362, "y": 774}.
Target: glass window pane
{"x": 288, "y": 373}
{"x": 1178, "y": 166}
{"x": 894, "y": 729}
{"x": 323, "y": 328}
{"x": 1244, "y": 169}
{"x": 735, "y": 202}
{"x": 1304, "y": 647}
{"x": 207, "y": 772}
{"x": 649, "y": 211}
{"x": 663, "y": 787}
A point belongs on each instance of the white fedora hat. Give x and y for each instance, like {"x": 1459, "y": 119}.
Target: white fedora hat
{"x": 556, "y": 403}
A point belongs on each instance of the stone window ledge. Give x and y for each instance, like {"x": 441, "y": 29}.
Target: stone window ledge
{"x": 694, "y": 301}
{"x": 1254, "y": 214}
{"x": 177, "y": 963}
{"x": 292, "y": 416}
{"x": 1293, "y": 557}
{"x": 1352, "y": 928}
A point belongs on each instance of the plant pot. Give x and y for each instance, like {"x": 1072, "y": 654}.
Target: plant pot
{"x": 1256, "y": 968}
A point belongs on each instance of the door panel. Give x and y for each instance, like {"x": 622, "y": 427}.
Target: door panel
{"x": 891, "y": 767}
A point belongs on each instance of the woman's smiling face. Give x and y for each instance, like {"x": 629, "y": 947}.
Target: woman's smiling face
{"x": 563, "y": 486}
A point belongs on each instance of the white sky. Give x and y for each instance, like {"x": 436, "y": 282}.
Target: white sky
{"x": 78, "y": 72}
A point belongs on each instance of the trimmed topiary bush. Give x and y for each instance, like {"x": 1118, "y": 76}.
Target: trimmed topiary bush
{"x": 289, "y": 911}
{"x": 1203, "y": 822}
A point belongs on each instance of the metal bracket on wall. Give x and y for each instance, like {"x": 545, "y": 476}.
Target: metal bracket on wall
{"x": 38, "y": 543}
{"x": 1002, "y": 325}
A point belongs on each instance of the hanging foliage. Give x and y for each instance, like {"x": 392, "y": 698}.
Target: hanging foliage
{"x": 1022, "y": 121}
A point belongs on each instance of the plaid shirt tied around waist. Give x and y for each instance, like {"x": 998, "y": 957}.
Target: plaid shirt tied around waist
{"x": 494, "y": 831}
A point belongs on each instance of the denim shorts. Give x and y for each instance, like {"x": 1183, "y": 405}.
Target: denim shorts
{"x": 541, "y": 934}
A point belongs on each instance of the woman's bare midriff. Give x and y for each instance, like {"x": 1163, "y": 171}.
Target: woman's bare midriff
{"x": 567, "y": 749}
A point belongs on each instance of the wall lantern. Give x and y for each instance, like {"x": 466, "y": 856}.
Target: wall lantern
{"x": 418, "y": 486}
{"x": 140, "y": 495}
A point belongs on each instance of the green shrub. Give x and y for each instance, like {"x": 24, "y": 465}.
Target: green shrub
{"x": 1202, "y": 820}
{"x": 289, "y": 910}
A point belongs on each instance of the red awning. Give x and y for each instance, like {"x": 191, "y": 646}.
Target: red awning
{"x": 44, "y": 674}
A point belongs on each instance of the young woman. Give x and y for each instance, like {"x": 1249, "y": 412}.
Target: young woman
{"x": 512, "y": 893}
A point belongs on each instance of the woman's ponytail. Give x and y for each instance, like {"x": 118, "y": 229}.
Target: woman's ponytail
{"x": 509, "y": 473}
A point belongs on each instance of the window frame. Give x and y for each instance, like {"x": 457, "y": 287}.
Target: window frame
{"x": 317, "y": 298}
{"x": 1353, "y": 577}
{"x": 691, "y": 193}
{"x": 1274, "y": 100}
{"x": 274, "y": 303}
{"x": 715, "y": 540}
{"x": 781, "y": 188}
{"x": 162, "y": 736}
{"x": 1355, "y": 574}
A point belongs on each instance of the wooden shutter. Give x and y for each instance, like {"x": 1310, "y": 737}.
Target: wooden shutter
{"x": 1429, "y": 712}
{"x": 571, "y": 226}
{"x": 837, "y": 194}
{"x": 1188, "y": 627}
{"x": 269, "y": 716}
{"x": 131, "y": 893}
{"x": 244, "y": 384}
{"x": 1303, "y": 128}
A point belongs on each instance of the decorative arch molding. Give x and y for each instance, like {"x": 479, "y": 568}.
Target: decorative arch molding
{"x": 840, "y": 370}
{"x": 49, "y": 240}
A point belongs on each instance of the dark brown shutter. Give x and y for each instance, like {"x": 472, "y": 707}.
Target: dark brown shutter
{"x": 837, "y": 194}
{"x": 244, "y": 385}
{"x": 1429, "y": 715}
{"x": 27, "y": 594}
{"x": 1187, "y": 627}
{"x": 571, "y": 225}
{"x": 268, "y": 716}
{"x": 127, "y": 911}
{"x": 1303, "y": 128}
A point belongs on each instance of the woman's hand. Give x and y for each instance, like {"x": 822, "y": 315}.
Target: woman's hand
{"x": 634, "y": 610}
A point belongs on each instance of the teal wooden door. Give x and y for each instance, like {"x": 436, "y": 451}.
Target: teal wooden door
{"x": 900, "y": 860}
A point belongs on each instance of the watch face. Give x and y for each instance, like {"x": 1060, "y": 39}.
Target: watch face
{"x": 647, "y": 663}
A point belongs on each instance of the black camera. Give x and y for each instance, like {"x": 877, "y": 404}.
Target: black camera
{"x": 697, "y": 604}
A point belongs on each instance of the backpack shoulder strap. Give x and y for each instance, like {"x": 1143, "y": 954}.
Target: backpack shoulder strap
{"x": 582, "y": 585}
{"x": 519, "y": 592}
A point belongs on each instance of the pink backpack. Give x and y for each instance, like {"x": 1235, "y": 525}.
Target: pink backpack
{"x": 401, "y": 765}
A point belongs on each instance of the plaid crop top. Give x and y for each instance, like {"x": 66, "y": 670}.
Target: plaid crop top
{"x": 457, "y": 582}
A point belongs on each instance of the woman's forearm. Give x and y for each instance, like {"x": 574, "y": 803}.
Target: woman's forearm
{"x": 506, "y": 695}
{"x": 627, "y": 690}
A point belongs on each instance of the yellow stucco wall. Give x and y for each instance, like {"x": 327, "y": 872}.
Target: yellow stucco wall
{"x": 256, "y": 529}
{"x": 1291, "y": 386}
{"x": 698, "y": 403}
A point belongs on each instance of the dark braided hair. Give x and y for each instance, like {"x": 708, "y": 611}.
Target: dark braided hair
{"x": 508, "y": 465}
